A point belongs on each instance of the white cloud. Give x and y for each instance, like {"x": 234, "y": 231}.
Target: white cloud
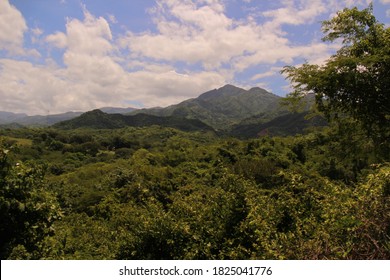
{"x": 92, "y": 76}
{"x": 13, "y": 27}
{"x": 57, "y": 39}
{"x": 295, "y": 14}
{"x": 37, "y": 31}
{"x": 191, "y": 32}
{"x": 35, "y": 35}
{"x": 30, "y": 88}
{"x": 272, "y": 72}
{"x": 197, "y": 33}
{"x": 91, "y": 36}
{"x": 99, "y": 68}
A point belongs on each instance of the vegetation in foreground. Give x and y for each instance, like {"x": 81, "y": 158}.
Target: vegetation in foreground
{"x": 162, "y": 193}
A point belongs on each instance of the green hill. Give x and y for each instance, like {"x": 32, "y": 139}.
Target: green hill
{"x": 99, "y": 120}
{"x": 286, "y": 124}
{"x": 222, "y": 107}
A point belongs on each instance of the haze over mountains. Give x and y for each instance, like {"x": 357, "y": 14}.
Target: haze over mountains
{"x": 231, "y": 109}
{"x": 48, "y": 120}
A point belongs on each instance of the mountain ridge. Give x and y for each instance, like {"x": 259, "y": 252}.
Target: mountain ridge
{"x": 218, "y": 108}
{"x": 9, "y": 118}
{"x": 221, "y": 107}
{"x": 229, "y": 110}
{"x": 97, "y": 119}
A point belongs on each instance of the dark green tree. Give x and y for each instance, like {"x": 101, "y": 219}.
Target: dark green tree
{"x": 27, "y": 209}
{"x": 355, "y": 82}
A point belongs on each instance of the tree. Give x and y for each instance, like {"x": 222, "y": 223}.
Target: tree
{"x": 355, "y": 82}
{"x": 27, "y": 209}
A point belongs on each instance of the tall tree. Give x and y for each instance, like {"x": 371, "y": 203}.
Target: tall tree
{"x": 355, "y": 82}
{"x": 27, "y": 209}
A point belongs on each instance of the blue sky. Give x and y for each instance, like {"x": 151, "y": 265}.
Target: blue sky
{"x": 76, "y": 55}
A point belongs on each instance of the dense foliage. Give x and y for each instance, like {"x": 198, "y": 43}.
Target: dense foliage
{"x": 157, "y": 192}
{"x": 355, "y": 81}
{"x": 100, "y": 120}
{"x": 27, "y": 211}
{"x": 160, "y": 193}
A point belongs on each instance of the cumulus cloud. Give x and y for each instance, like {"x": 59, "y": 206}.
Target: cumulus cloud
{"x": 30, "y": 88}
{"x": 94, "y": 75}
{"x": 57, "y": 39}
{"x": 13, "y": 27}
{"x": 294, "y": 14}
{"x": 37, "y": 31}
{"x": 192, "y": 32}
{"x": 194, "y": 47}
{"x": 91, "y": 36}
{"x": 273, "y": 71}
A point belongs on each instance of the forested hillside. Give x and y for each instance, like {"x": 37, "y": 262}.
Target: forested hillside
{"x": 223, "y": 107}
{"x": 154, "y": 191}
{"x": 98, "y": 119}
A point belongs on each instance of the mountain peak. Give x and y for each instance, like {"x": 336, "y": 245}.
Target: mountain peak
{"x": 225, "y": 91}
{"x": 229, "y": 87}
{"x": 260, "y": 90}
{"x": 93, "y": 113}
{"x": 225, "y": 105}
{"x": 218, "y": 108}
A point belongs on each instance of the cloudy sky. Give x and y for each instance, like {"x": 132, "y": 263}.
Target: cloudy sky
{"x": 75, "y": 55}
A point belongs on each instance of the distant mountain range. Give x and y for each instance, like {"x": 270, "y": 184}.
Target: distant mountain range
{"x": 229, "y": 110}
{"x": 8, "y": 118}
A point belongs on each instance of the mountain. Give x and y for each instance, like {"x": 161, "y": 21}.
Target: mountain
{"x": 221, "y": 107}
{"x": 40, "y": 120}
{"x": 8, "y": 117}
{"x": 48, "y": 120}
{"x": 286, "y": 124}
{"x": 100, "y": 120}
{"x": 218, "y": 108}
{"x": 11, "y": 126}
{"x": 117, "y": 110}
{"x": 280, "y": 122}
{"x": 230, "y": 110}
